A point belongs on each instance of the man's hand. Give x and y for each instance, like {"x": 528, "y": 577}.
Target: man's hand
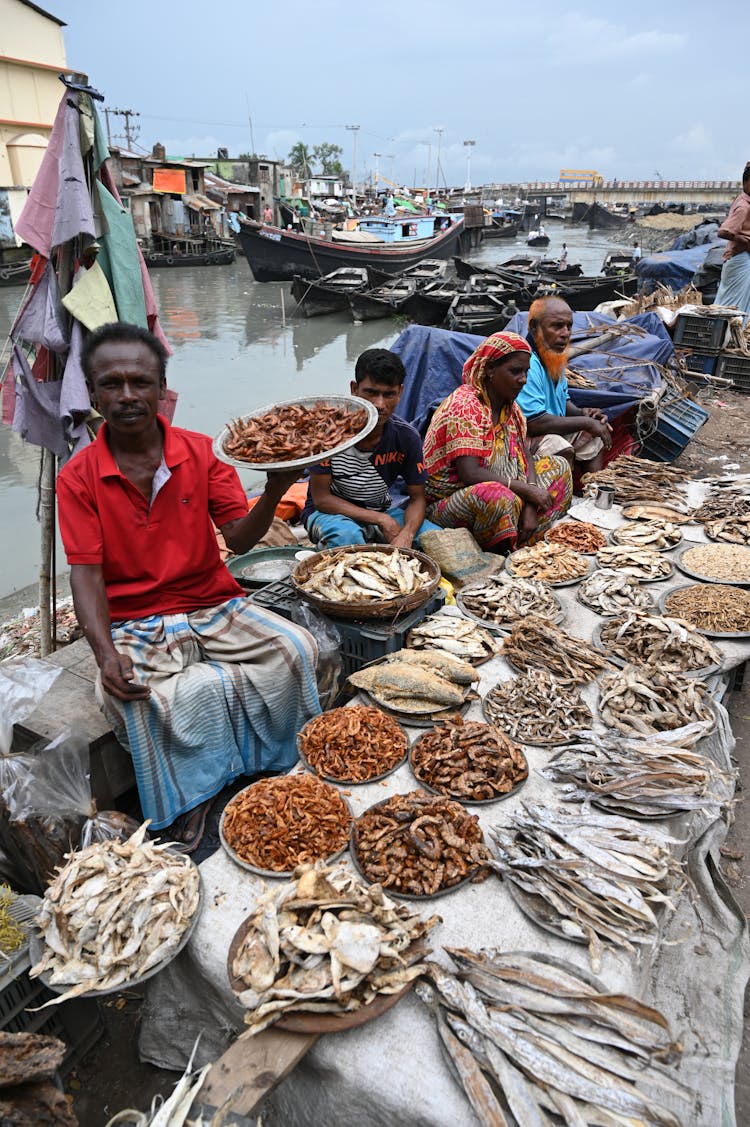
{"x": 405, "y": 539}
{"x": 535, "y": 497}
{"x": 595, "y": 413}
{"x": 390, "y": 528}
{"x": 118, "y": 678}
{"x": 596, "y": 429}
{"x": 278, "y": 481}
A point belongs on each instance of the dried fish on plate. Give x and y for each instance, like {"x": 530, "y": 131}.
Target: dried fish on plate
{"x": 578, "y": 535}
{"x": 639, "y": 563}
{"x": 417, "y": 681}
{"x": 536, "y": 708}
{"x": 589, "y": 877}
{"x": 722, "y": 563}
{"x": 419, "y": 844}
{"x": 454, "y": 635}
{"x": 712, "y": 608}
{"x": 468, "y": 760}
{"x": 549, "y": 563}
{"x": 640, "y": 480}
{"x": 721, "y": 504}
{"x": 292, "y": 431}
{"x": 645, "y": 778}
{"x": 353, "y": 744}
{"x": 670, "y": 645}
{"x": 733, "y": 529}
{"x": 345, "y": 575}
{"x": 611, "y": 592}
{"x": 501, "y": 599}
{"x": 642, "y": 701}
{"x": 552, "y": 1040}
{"x": 324, "y": 943}
{"x": 113, "y": 913}
{"x": 657, "y": 512}
{"x": 537, "y": 644}
{"x": 657, "y": 534}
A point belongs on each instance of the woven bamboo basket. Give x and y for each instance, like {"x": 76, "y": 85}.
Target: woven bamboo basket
{"x": 380, "y": 608}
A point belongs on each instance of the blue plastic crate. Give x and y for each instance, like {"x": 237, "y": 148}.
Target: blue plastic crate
{"x": 701, "y": 363}
{"x": 677, "y": 422}
{"x": 705, "y": 334}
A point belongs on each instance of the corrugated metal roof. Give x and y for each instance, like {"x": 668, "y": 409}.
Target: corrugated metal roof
{"x": 200, "y": 203}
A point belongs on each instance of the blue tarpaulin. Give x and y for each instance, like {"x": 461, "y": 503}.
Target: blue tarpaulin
{"x": 434, "y": 360}
{"x": 673, "y": 268}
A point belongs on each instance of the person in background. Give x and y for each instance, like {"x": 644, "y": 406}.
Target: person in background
{"x": 576, "y": 433}
{"x": 563, "y": 259}
{"x": 734, "y": 287}
{"x": 199, "y": 685}
{"x": 349, "y": 500}
{"x": 481, "y": 473}
{"x": 268, "y": 214}
{"x": 390, "y": 206}
{"x": 637, "y": 252}
{"x": 542, "y": 230}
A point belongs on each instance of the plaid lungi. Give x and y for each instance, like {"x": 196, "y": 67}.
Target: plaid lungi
{"x": 230, "y": 688}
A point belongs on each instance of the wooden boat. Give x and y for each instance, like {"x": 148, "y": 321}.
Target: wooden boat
{"x": 383, "y": 301}
{"x": 317, "y": 297}
{"x": 276, "y": 256}
{"x": 15, "y": 273}
{"x": 599, "y": 219}
{"x": 534, "y": 239}
{"x": 476, "y": 313}
{"x": 497, "y": 230}
{"x": 427, "y": 271}
{"x": 586, "y": 293}
{"x": 184, "y": 250}
{"x": 430, "y": 304}
{"x": 618, "y": 262}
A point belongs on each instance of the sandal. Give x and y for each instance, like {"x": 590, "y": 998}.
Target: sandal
{"x": 189, "y": 828}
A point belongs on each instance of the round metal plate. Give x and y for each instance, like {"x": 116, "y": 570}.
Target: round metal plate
{"x": 625, "y": 544}
{"x": 616, "y": 659}
{"x": 552, "y": 540}
{"x": 350, "y": 782}
{"x": 528, "y": 902}
{"x": 349, "y": 402}
{"x": 574, "y": 735}
{"x": 629, "y": 512}
{"x": 457, "y": 798}
{"x": 664, "y": 597}
{"x": 590, "y": 562}
{"x": 506, "y": 627}
{"x": 686, "y": 570}
{"x": 641, "y": 578}
{"x": 417, "y": 719}
{"x": 613, "y": 614}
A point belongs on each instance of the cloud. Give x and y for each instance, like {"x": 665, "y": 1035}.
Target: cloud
{"x": 588, "y": 39}
{"x": 695, "y": 140}
{"x": 279, "y": 142}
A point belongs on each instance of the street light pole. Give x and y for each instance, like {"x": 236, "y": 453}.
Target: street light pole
{"x": 469, "y": 145}
{"x": 439, "y": 131}
{"x": 377, "y": 170}
{"x": 355, "y": 130}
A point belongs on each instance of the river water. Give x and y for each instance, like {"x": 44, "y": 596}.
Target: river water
{"x": 234, "y": 350}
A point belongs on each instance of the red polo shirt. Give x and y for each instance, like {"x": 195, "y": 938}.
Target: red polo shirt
{"x": 159, "y": 558}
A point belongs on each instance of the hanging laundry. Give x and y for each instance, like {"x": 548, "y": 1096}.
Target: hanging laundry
{"x": 90, "y": 299}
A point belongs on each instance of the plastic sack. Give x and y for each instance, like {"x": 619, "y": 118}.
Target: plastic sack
{"x": 110, "y": 825}
{"x": 23, "y": 683}
{"x": 329, "y": 669}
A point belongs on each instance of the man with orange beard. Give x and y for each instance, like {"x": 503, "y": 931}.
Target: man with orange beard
{"x": 577, "y": 433}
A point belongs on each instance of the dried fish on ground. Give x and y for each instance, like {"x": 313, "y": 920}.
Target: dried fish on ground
{"x": 325, "y": 943}
{"x": 115, "y": 911}
{"x": 639, "y": 563}
{"x": 502, "y": 599}
{"x": 645, "y": 778}
{"x": 592, "y": 877}
{"x": 553, "y": 1041}
{"x": 292, "y": 432}
{"x": 454, "y": 635}
{"x": 611, "y": 592}
{"x": 277, "y": 824}
{"x": 344, "y": 575}
{"x": 656, "y": 534}
{"x": 638, "y": 701}
{"x": 723, "y": 503}
{"x": 419, "y": 844}
{"x": 551, "y": 563}
{"x": 353, "y": 744}
{"x": 656, "y": 512}
{"x": 415, "y": 681}
{"x": 640, "y": 480}
{"x": 715, "y": 608}
{"x": 734, "y": 529}
{"x": 658, "y": 641}
{"x": 726, "y": 563}
{"x": 468, "y": 760}
{"x": 537, "y": 644}
{"x": 537, "y": 708}
{"x": 578, "y": 535}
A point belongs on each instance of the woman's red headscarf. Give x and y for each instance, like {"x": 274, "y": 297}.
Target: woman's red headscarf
{"x": 493, "y": 348}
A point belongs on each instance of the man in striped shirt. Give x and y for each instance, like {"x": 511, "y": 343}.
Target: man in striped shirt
{"x": 349, "y": 500}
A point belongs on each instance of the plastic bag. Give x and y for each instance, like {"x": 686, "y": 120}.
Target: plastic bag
{"x": 23, "y": 683}
{"x": 110, "y": 825}
{"x": 329, "y": 669}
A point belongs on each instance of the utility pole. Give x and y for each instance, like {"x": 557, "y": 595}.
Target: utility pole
{"x": 355, "y": 130}
{"x": 131, "y": 131}
{"x": 377, "y": 169}
{"x": 429, "y": 168}
{"x": 439, "y": 131}
{"x": 469, "y": 145}
{"x": 107, "y": 112}
{"x": 391, "y": 157}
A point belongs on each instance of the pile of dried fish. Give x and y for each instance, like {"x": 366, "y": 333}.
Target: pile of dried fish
{"x": 279, "y": 823}
{"x": 722, "y": 504}
{"x": 612, "y": 592}
{"x": 556, "y": 1046}
{"x": 726, "y": 563}
{"x": 734, "y": 529}
{"x": 419, "y": 844}
{"x": 590, "y": 877}
{"x": 638, "y": 479}
{"x": 656, "y": 512}
{"x": 578, "y": 535}
{"x": 353, "y": 744}
{"x": 292, "y": 432}
{"x": 345, "y": 575}
{"x": 668, "y": 644}
{"x": 115, "y": 911}
{"x": 537, "y": 644}
{"x": 501, "y": 599}
{"x": 657, "y": 534}
{"x": 642, "y": 701}
{"x": 417, "y": 681}
{"x": 640, "y": 563}
{"x": 638, "y": 778}
{"x": 468, "y": 760}
{"x": 551, "y": 563}
{"x": 325, "y": 943}
{"x": 714, "y": 608}
{"x": 454, "y": 635}
{"x": 536, "y": 708}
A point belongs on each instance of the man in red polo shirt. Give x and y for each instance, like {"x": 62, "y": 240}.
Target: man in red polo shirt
{"x": 200, "y": 685}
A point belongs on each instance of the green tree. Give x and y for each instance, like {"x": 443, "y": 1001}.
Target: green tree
{"x": 327, "y": 156}
{"x": 300, "y": 158}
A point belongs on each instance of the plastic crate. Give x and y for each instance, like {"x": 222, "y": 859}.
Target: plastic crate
{"x": 701, "y": 363}
{"x": 677, "y": 422}
{"x": 705, "y": 334}
{"x": 735, "y": 367}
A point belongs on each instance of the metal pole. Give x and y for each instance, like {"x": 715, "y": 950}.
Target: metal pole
{"x": 377, "y": 170}
{"x": 468, "y": 145}
{"x": 439, "y": 131}
{"x": 355, "y": 130}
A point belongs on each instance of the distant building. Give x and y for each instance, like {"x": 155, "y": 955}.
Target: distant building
{"x": 165, "y": 197}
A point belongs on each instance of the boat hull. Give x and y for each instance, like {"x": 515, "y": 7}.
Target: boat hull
{"x": 210, "y": 258}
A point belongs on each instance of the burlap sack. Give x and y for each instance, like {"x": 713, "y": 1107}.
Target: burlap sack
{"x": 458, "y": 555}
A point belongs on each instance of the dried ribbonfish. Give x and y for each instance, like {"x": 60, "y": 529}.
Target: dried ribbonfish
{"x": 325, "y": 942}
{"x": 501, "y": 599}
{"x": 550, "y": 563}
{"x": 536, "y": 708}
{"x": 350, "y": 576}
{"x": 611, "y": 592}
{"x": 639, "y": 563}
{"x": 667, "y": 644}
{"x": 454, "y": 635}
{"x": 537, "y": 644}
{"x": 640, "y": 480}
{"x": 713, "y": 608}
{"x": 659, "y": 535}
{"x": 593, "y": 878}
{"x": 642, "y": 701}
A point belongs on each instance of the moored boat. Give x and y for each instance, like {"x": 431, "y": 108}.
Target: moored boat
{"x": 179, "y": 250}
{"x": 330, "y": 294}
{"x": 429, "y": 305}
{"x": 537, "y": 239}
{"x": 383, "y": 301}
{"x": 476, "y": 313}
{"x": 15, "y": 273}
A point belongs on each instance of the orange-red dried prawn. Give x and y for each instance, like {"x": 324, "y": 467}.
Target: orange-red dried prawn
{"x": 353, "y": 744}
{"x": 291, "y": 432}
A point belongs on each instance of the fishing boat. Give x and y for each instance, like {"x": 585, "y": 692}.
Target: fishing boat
{"x": 330, "y": 294}
{"x": 383, "y": 301}
{"x": 391, "y": 244}
{"x": 586, "y": 293}
{"x": 537, "y": 239}
{"x": 618, "y": 262}
{"x": 499, "y": 228}
{"x": 476, "y": 313}
{"x": 427, "y": 271}
{"x": 429, "y": 305}
{"x": 184, "y": 250}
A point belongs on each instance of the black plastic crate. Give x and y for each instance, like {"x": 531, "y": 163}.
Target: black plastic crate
{"x": 705, "y": 334}
{"x": 735, "y": 367}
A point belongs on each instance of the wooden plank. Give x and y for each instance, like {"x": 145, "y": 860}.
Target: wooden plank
{"x": 252, "y": 1067}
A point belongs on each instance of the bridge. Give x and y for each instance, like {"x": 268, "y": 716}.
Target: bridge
{"x": 718, "y": 193}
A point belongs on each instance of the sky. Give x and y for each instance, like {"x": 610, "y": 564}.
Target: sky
{"x": 634, "y": 91}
